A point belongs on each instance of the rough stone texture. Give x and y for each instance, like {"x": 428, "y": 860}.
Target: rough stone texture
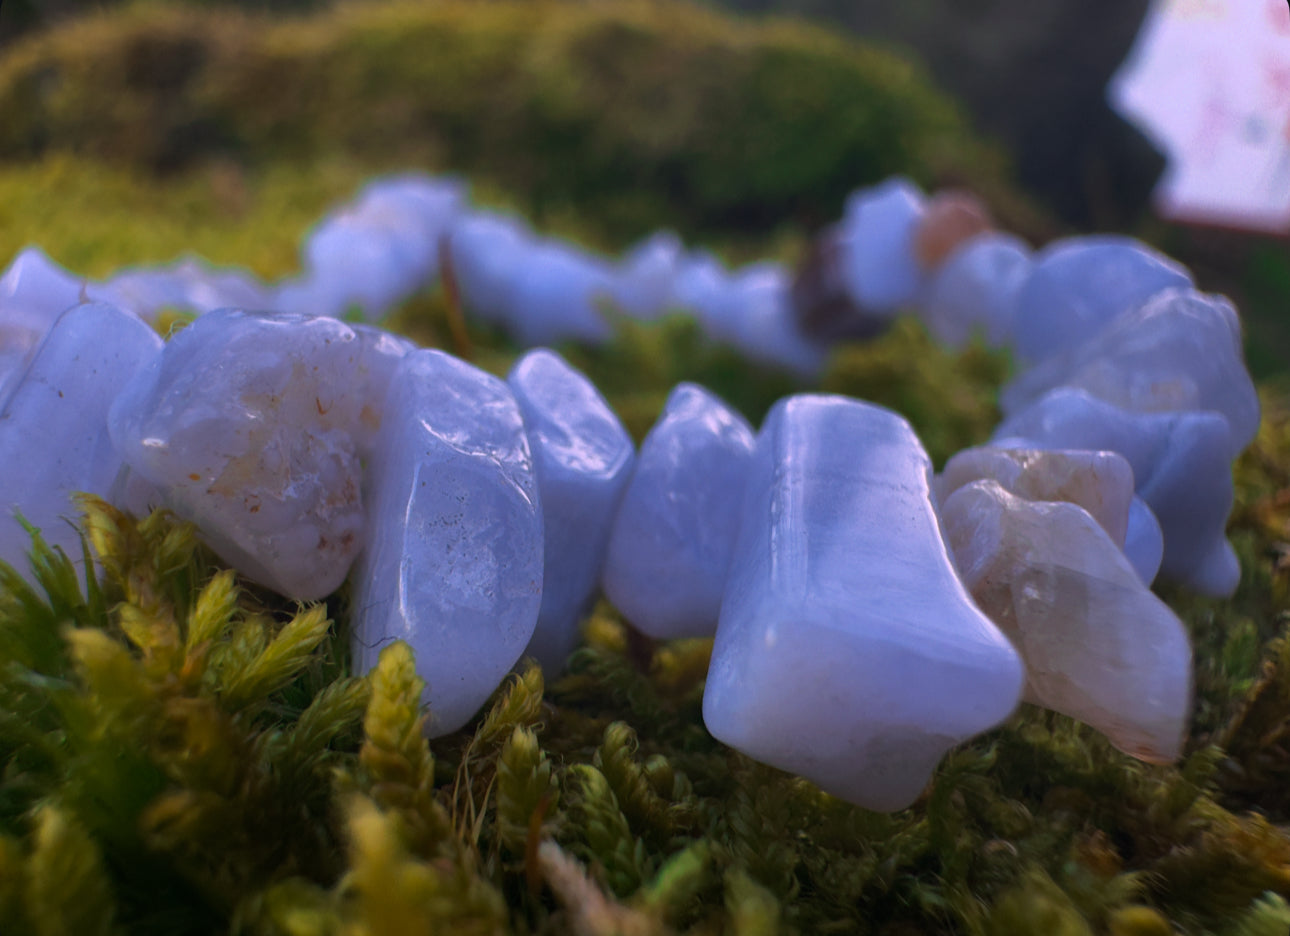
{"x": 975, "y": 289}
{"x": 247, "y": 423}
{"x": 1100, "y": 482}
{"x": 53, "y": 428}
{"x": 1181, "y": 350}
{"x": 583, "y": 458}
{"x": 878, "y": 229}
{"x": 848, "y": 650}
{"x": 1180, "y": 468}
{"x": 453, "y": 563}
{"x": 675, "y": 529}
{"x": 1097, "y": 644}
{"x": 1079, "y": 285}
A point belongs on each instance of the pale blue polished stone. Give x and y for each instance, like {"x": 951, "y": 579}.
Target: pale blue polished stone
{"x": 54, "y": 427}
{"x": 880, "y": 269}
{"x": 675, "y": 529}
{"x": 1181, "y": 350}
{"x": 487, "y": 252}
{"x": 557, "y": 295}
{"x": 1079, "y": 285}
{"x": 1144, "y": 543}
{"x": 644, "y": 282}
{"x": 583, "y": 458}
{"x": 190, "y": 285}
{"x": 1180, "y": 467}
{"x": 975, "y": 290}
{"x": 754, "y": 314}
{"x": 848, "y": 649}
{"x": 453, "y": 563}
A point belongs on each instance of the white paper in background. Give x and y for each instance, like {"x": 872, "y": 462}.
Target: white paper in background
{"x": 1208, "y": 82}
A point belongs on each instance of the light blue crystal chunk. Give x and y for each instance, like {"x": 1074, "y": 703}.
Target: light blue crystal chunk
{"x": 880, "y": 269}
{"x": 1144, "y": 543}
{"x": 1180, "y": 350}
{"x": 453, "y": 563}
{"x": 848, "y": 650}
{"x": 1080, "y": 284}
{"x": 54, "y": 427}
{"x": 1180, "y": 468}
{"x": 671, "y": 541}
{"x": 975, "y": 290}
{"x": 556, "y": 296}
{"x": 754, "y": 314}
{"x": 583, "y": 458}
{"x": 487, "y": 252}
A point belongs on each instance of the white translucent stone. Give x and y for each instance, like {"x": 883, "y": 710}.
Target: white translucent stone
{"x": 848, "y": 650}
{"x": 557, "y": 295}
{"x": 974, "y": 290}
{"x": 1144, "y": 543}
{"x": 672, "y": 537}
{"x": 53, "y": 429}
{"x": 488, "y": 251}
{"x": 1097, "y": 644}
{"x": 1180, "y": 469}
{"x": 755, "y": 315}
{"x": 453, "y": 563}
{"x": 877, "y": 234}
{"x": 190, "y": 285}
{"x": 644, "y": 281}
{"x": 583, "y": 458}
{"x": 246, "y": 421}
{"x": 1181, "y": 350}
{"x": 1078, "y": 285}
{"x": 1100, "y": 482}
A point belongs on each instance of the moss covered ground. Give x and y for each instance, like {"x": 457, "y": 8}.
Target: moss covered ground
{"x": 183, "y": 753}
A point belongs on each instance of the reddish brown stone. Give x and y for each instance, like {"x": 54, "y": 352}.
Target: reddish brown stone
{"x": 952, "y": 217}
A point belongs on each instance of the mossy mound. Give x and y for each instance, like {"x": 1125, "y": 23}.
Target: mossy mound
{"x": 636, "y": 114}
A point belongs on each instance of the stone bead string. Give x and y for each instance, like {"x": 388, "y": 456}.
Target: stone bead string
{"x": 476, "y": 518}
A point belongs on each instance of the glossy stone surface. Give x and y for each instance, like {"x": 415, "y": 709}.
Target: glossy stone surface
{"x": 247, "y": 422}
{"x": 878, "y": 229}
{"x": 1181, "y": 350}
{"x": 583, "y": 458}
{"x": 1100, "y": 482}
{"x": 975, "y": 290}
{"x": 377, "y": 358}
{"x": 848, "y": 650}
{"x": 453, "y": 563}
{"x": 1180, "y": 469}
{"x": 1097, "y": 644}
{"x": 34, "y": 291}
{"x": 1078, "y": 285}
{"x": 53, "y": 428}
{"x": 1144, "y": 542}
{"x": 672, "y": 538}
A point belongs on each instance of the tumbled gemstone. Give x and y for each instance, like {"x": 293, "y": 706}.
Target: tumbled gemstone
{"x": 848, "y": 650}
{"x": 583, "y": 458}
{"x": 951, "y": 217}
{"x": 487, "y": 252}
{"x": 672, "y": 537}
{"x": 247, "y": 423}
{"x": 557, "y": 294}
{"x": 756, "y": 317}
{"x": 1100, "y": 482}
{"x": 975, "y": 290}
{"x": 1144, "y": 542}
{"x": 378, "y": 355}
{"x": 453, "y": 563}
{"x": 1181, "y": 350}
{"x": 644, "y": 282}
{"x": 1097, "y": 644}
{"x": 878, "y": 229}
{"x": 821, "y": 302}
{"x": 34, "y": 291}
{"x": 1180, "y": 469}
{"x": 1080, "y": 284}
{"x": 53, "y": 429}
{"x": 189, "y": 285}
